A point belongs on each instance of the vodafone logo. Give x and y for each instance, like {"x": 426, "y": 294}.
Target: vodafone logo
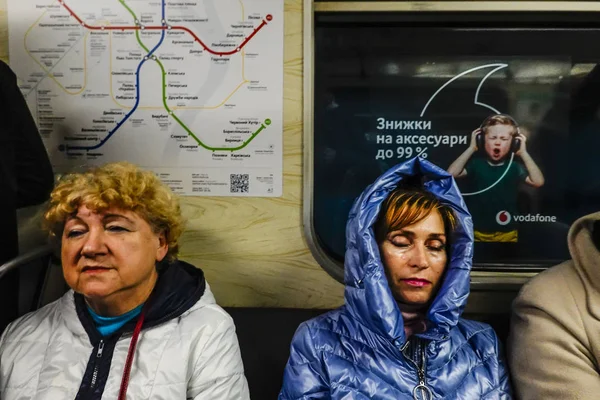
{"x": 503, "y": 218}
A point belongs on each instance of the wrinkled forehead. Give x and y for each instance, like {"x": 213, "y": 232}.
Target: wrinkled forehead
{"x": 86, "y": 211}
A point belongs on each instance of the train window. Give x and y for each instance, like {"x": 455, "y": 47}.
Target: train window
{"x": 388, "y": 87}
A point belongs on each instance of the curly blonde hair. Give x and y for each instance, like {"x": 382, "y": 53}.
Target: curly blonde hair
{"x": 122, "y": 185}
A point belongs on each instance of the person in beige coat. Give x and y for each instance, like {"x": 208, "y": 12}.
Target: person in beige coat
{"x": 554, "y": 342}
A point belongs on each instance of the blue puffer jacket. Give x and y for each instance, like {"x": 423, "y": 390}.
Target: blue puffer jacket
{"x": 359, "y": 351}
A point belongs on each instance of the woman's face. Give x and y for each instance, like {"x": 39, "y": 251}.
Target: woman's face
{"x": 110, "y": 256}
{"x": 414, "y": 258}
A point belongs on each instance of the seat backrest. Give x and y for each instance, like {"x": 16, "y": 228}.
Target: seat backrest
{"x": 53, "y": 286}
{"x": 41, "y": 279}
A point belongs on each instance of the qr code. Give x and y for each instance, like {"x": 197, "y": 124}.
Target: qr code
{"x": 239, "y": 183}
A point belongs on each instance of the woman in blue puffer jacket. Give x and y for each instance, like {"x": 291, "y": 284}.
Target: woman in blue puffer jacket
{"x": 399, "y": 334}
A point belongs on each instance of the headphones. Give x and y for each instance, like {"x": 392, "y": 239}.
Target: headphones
{"x": 515, "y": 143}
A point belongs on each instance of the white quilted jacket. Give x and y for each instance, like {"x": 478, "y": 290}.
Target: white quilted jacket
{"x": 44, "y": 355}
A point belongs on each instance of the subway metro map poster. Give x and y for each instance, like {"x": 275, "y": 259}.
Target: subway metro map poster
{"x": 192, "y": 90}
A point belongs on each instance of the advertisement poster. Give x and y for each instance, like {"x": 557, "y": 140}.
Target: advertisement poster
{"x": 500, "y": 125}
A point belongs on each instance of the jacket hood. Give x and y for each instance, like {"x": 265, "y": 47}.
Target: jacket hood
{"x": 367, "y": 293}
{"x": 583, "y": 240}
{"x": 180, "y": 285}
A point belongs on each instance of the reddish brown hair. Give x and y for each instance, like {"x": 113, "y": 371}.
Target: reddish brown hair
{"x": 407, "y": 207}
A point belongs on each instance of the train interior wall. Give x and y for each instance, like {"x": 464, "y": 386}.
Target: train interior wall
{"x": 268, "y": 282}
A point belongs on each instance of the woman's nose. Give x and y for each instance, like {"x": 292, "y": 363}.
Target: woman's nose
{"x": 419, "y": 257}
{"x": 94, "y": 243}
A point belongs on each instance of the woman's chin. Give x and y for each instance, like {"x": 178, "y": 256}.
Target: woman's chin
{"x": 416, "y": 303}
{"x": 95, "y": 290}
{"x": 411, "y": 299}
{"x": 413, "y": 296}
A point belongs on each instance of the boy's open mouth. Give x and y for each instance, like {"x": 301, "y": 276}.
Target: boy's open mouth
{"x": 496, "y": 152}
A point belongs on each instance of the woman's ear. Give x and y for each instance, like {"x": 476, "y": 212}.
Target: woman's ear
{"x": 163, "y": 247}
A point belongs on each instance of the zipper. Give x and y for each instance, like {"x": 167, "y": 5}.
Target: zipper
{"x": 421, "y": 391}
{"x": 98, "y": 356}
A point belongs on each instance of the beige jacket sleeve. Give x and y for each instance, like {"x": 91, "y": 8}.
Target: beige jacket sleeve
{"x": 549, "y": 350}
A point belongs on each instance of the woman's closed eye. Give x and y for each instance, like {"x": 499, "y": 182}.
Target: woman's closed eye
{"x": 116, "y": 228}
{"x": 400, "y": 241}
{"x": 436, "y": 245}
{"x": 75, "y": 233}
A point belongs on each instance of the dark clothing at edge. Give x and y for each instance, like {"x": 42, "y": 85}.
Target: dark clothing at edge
{"x": 26, "y": 179}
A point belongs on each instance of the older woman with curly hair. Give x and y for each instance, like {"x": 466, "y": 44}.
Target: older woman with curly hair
{"x": 136, "y": 321}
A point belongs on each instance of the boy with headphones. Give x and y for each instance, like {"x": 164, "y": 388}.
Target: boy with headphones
{"x": 495, "y": 176}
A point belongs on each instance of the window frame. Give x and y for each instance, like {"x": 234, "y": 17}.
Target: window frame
{"x": 480, "y": 280}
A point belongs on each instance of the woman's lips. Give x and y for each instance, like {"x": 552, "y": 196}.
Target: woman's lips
{"x": 416, "y": 282}
{"x": 94, "y": 270}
